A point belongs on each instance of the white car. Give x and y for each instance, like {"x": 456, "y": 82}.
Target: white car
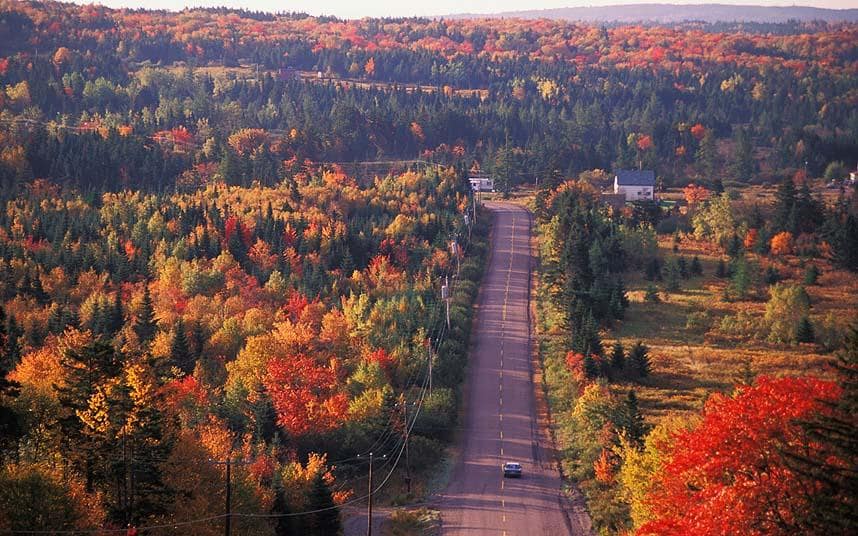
{"x": 512, "y": 470}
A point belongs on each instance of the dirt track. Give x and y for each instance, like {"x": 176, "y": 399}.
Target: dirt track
{"x": 501, "y": 415}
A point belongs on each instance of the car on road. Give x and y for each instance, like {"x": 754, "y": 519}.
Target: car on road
{"x": 512, "y": 470}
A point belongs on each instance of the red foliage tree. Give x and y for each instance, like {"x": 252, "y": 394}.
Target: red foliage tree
{"x": 305, "y": 394}
{"x": 729, "y": 476}
{"x": 698, "y": 131}
{"x": 695, "y": 194}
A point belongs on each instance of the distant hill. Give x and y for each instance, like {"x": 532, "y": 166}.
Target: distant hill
{"x": 667, "y": 13}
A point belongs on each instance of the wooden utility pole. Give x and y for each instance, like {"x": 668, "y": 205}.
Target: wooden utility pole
{"x": 229, "y": 462}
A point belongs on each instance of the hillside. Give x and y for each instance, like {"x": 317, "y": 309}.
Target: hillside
{"x": 679, "y": 13}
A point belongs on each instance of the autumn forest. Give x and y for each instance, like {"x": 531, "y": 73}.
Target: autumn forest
{"x": 242, "y": 245}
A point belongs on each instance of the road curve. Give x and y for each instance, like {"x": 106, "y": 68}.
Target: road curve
{"x": 501, "y": 418}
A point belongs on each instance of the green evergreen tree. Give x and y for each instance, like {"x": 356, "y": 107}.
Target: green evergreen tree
{"x": 198, "y": 339}
{"x": 804, "y": 331}
{"x": 144, "y": 324}
{"x": 672, "y": 275}
{"x": 721, "y": 269}
{"x": 280, "y": 509}
{"x": 86, "y": 369}
{"x": 835, "y": 503}
{"x": 326, "y": 519}
{"x": 638, "y": 362}
{"x": 629, "y": 420}
{"x": 180, "y": 353}
{"x": 811, "y": 275}
{"x": 618, "y": 356}
{"x": 10, "y": 425}
{"x": 115, "y": 318}
{"x": 743, "y": 156}
{"x": 696, "y": 267}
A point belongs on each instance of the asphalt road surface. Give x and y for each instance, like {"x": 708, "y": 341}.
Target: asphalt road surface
{"x": 501, "y": 419}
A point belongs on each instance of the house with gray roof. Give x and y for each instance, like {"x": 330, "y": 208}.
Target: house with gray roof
{"x": 635, "y": 185}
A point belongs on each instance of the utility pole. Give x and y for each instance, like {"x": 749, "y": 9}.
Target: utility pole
{"x": 445, "y": 295}
{"x": 405, "y": 431}
{"x": 369, "y": 495}
{"x": 454, "y": 250}
{"x": 229, "y": 462}
{"x": 430, "y": 367}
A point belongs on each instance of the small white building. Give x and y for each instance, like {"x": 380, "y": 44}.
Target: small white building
{"x": 635, "y": 185}
{"x": 482, "y": 183}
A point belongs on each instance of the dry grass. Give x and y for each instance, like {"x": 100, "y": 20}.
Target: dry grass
{"x": 691, "y": 363}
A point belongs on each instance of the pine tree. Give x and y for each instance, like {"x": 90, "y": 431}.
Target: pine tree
{"x": 804, "y": 331}
{"x": 10, "y": 427}
{"x": 144, "y": 324}
{"x": 835, "y": 503}
{"x": 280, "y": 508}
{"x": 630, "y": 422}
{"x": 672, "y": 275}
{"x": 638, "y": 360}
{"x": 683, "y": 267}
{"x": 785, "y": 207}
{"x": 86, "y": 369}
{"x": 743, "y": 158}
{"x": 180, "y": 353}
{"x": 198, "y": 339}
{"x": 326, "y": 520}
{"x": 115, "y": 317}
{"x": 721, "y": 269}
{"x": 591, "y": 368}
{"x": 56, "y": 319}
{"x": 696, "y": 267}
{"x": 618, "y": 356}
{"x": 811, "y": 275}
{"x": 12, "y": 347}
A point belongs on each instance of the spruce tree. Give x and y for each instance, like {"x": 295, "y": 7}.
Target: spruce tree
{"x": 721, "y": 269}
{"x": 144, "y": 324}
{"x": 618, "y": 356}
{"x": 280, "y": 509}
{"x": 326, "y": 519}
{"x": 115, "y": 317}
{"x": 198, "y": 339}
{"x": 10, "y": 427}
{"x": 180, "y": 353}
{"x": 696, "y": 267}
{"x": 638, "y": 361}
{"x": 591, "y": 368}
{"x": 834, "y": 504}
{"x": 630, "y": 422}
{"x": 804, "y": 331}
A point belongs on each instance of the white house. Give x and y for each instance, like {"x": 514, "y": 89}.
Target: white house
{"x": 482, "y": 183}
{"x": 635, "y": 185}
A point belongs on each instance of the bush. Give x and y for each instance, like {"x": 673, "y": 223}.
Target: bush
{"x": 698, "y": 321}
{"x": 784, "y": 311}
{"x": 651, "y": 294}
{"x": 811, "y": 275}
{"x": 743, "y": 324}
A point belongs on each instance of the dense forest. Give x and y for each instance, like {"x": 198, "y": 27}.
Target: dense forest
{"x": 203, "y": 266}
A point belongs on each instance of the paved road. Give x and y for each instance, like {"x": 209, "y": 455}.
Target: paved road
{"x": 500, "y": 423}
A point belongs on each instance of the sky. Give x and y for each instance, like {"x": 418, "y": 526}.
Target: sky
{"x": 399, "y": 8}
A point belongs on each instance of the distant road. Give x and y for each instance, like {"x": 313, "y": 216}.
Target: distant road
{"x": 501, "y": 420}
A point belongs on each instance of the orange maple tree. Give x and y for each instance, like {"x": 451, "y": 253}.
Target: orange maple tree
{"x": 782, "y": 243}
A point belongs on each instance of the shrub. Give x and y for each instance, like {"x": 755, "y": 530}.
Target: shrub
{"x": 698, "y": 321}
{"x": 784, "y": 311}
{"x": 651, "y": 294}
{"x": 811, "y": 275}
{"x": 742, "y": 324}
